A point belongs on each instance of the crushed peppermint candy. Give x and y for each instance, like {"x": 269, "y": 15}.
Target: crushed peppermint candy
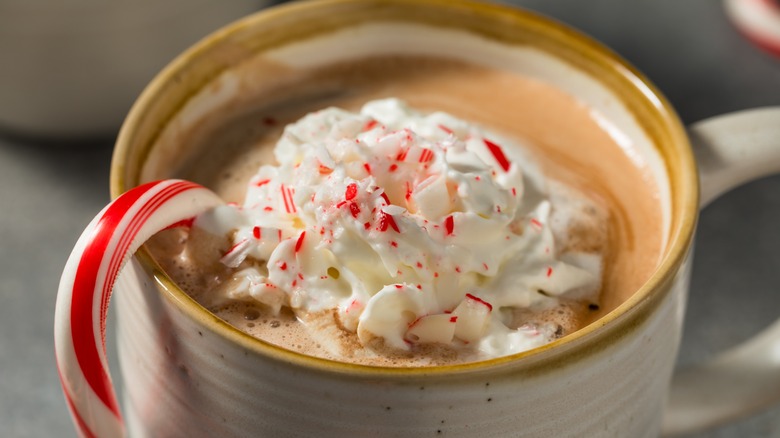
{"x": 418, "y": 228}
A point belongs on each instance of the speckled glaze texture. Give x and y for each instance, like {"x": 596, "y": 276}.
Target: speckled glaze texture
{"x": 188, "y": 374}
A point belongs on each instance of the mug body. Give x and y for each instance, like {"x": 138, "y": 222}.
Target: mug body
{"x": 182, "y": 378}
{"x": 187, "y": 373}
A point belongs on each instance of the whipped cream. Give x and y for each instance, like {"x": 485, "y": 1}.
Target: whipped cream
{"x": 417, "y": 228}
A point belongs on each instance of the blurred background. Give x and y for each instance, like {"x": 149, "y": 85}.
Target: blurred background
{"x": 69, "y": 72}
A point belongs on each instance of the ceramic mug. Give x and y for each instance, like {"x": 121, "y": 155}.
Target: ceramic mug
{"x": 187, "y": 373}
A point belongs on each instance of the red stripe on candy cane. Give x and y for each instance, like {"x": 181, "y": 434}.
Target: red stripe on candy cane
{"x": 758, "y": 20}
{"x": 127, "y": 237}
{"x": 88, "y": 279}
{"x": 185, "y": 223}
{"x": 426, "y": 155}
{"x": 480, "y": 300}
{"x": 299, "y": 242}
{"x": 287, "y": 197}
{"x": 81, "y": 425}
{"x": 86, "y": 351}
{"x": 82, "y": 322}
{"x": 449, "y": 224}
{"x": 350, "y": 192}
{"x": 126, "y": 240}
{"x": 498, "y": 154}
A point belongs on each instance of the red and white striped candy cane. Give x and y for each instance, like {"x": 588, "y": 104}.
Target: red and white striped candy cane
{"x": 758, "y": 20}
{"x": 86, "y": 286}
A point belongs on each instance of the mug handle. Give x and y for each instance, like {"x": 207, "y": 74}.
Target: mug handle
{"x": 730, "y": 150}
{"x": 86, "y": 286}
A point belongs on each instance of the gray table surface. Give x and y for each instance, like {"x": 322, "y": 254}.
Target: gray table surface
{"x": 50, "y": 190}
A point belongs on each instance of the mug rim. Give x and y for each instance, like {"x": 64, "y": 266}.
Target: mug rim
{"x": 595, "y": 336}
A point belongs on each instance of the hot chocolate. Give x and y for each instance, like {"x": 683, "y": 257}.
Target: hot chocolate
{"x": 618, "y": 221}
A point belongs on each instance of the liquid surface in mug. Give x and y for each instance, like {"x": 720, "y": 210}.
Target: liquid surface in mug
{"x": 604, "y": 202}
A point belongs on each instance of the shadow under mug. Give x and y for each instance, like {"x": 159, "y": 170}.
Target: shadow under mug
{"x": 187, "y": 373}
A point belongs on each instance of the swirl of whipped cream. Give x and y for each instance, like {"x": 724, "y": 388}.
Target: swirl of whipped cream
{"x": 417, "y": 228}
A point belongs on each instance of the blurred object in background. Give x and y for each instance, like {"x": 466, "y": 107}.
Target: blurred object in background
{"x": 71, "y": 69}
{"x": 758, "y": 20}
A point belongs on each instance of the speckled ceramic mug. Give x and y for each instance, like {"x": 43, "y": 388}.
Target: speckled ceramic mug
{"x": 186, "y": 373}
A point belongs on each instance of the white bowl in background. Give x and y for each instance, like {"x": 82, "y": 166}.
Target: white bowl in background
{"x": 71, "y": 69}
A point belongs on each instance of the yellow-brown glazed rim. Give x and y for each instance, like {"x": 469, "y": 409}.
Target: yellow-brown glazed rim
{"x": 180, "y": 80}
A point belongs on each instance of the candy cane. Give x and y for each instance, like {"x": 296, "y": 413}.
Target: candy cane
{"x": 86, "y": 285}
{"x": 759, "y": 20}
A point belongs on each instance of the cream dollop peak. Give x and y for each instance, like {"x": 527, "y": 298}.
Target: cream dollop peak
{"x": 413, "y": 228}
